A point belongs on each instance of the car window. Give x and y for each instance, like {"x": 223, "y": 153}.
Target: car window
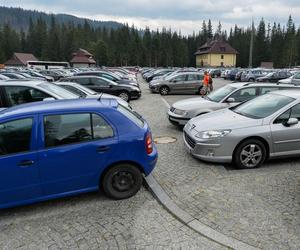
{"x": 297, "y": 76}
{"x": 83, "y": 81}
{"x": 101, "y": 129}
{"x": 294, "y": 112}
{"x": 179, "y": 78}
{"x": 192, "y": 77}
{"x": 18, "y": 94}
{"x": 15, "y": 136}
{"x": 67, "y": 129}
{"x": 244, "y": 94}
{"x": 108, "y": 77}
{"x": 265, "y": 90}
{"x": 99, "y": 82}
{"x": 73, "y": 90}
{"x": 133, "y": 116}
{"x": 74, "y": 128}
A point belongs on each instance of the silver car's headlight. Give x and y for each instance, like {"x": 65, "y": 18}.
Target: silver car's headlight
{"x": 180, "y": 112}
{"x": 213, "y": 134}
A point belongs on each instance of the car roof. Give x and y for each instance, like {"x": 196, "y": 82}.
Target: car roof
{"x": 70, "y": 105}
{"x": 290, "y": 93}
{"x": 251, "y": 84}
{"x": 24, "y": 82}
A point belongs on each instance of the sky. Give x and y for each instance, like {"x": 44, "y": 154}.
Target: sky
{"x": 185, "y": 16}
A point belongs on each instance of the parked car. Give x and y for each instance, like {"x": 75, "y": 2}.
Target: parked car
{"x": 108, "y": 75}
{"x": 274, "y": 76}
{"x": 252, "y": 74}
{"x": 158, "y": 73}
{"x": 228, "y": 96}
{"x": 263, "y": 128}
{"x": 85, "y": 92}
{"x": 181, "y": 83}
{"x": 103, "y": 85}
{"x": 61, "y": 148}
{"x": 12, "y": 75}
{"x": 231, "y": 74}
{"x": 215, "y": 73}
{"x": 294, "y": 79}
{"x": 3, "y": 77}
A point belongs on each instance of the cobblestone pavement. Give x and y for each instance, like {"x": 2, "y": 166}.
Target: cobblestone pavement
{"x": 91, "y": 221}
{"x": 260, "y": 207}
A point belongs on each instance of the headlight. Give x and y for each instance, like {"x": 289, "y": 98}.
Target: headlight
{"x": 180, "y": 112}
{"x": 213, "y": 134}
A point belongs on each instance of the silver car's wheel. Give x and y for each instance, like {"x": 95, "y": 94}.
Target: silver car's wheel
{"x": 164, "y": 90}
{"x": 250, "y": 154}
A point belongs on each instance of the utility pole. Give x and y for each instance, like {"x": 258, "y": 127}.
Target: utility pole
{"x": 251, "y": 45}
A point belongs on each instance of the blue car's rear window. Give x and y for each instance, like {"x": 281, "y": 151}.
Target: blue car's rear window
{"x": 133, "y": 116}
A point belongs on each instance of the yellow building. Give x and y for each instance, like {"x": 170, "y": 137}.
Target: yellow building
{"x": 216, "y": 53}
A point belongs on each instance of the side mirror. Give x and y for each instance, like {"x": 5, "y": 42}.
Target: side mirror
{"x": 230, "y": 100}
{"x": 49, "y": 99}
{"x": 291, "y": 122}
{"x": 174, "y": 80}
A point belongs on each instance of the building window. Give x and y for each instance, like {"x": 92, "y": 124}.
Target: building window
{"x": 222, "y": 56}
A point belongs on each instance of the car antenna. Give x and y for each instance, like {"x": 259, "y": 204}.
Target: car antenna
{"x": 99, "y": 99}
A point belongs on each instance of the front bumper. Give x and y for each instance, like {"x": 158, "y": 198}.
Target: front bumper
{"x": 177, "y": 120}
{"x": 154, "y": 89}
{"x": 212, "y": 151}
{"x": 136, "y": 94}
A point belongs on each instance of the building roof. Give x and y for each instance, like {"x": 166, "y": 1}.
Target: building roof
{"x": 216, "y": 47}
{"x": 20, "y": 59}
{"x": 83, "y": 59}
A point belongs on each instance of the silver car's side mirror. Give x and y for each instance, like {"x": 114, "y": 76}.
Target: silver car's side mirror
{"x": 291, "y": 122}
{"x": 230, "y": 100}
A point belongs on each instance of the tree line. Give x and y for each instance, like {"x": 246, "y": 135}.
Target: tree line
{"x": 131, "y": 46}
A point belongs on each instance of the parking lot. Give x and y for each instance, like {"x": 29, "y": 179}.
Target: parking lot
{"x": 259, "y": 207}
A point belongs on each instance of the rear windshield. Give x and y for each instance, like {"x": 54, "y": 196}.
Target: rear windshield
{"x": 132, "y": 115}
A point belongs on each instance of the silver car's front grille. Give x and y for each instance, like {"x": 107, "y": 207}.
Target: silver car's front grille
{"x": 189, "y": 140}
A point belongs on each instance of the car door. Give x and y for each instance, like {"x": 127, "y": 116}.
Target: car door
{"x": 19, "y": 173}
{"x": 75, "y": 148}
{"x": 286, "y": 138}
{"x": 177, "y": 84}
{"x": 101, "y": 86}
{"x": 192, "y": 84}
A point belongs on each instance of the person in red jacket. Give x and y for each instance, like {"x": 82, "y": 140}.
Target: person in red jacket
{"x": 205, "y": 87}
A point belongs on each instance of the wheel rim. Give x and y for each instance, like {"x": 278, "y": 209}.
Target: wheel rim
{"x": 123, "y": 181}
{"x": 164, "y": 91}
{"x": 124, "y": 96}
{"x": 251, "y": 155}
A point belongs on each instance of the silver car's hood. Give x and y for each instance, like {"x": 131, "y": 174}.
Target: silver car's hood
{"x": 194, "y": 103}
{"x": 222, "y": 119}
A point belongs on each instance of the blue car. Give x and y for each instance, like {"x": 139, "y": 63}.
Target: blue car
{"x": 61, "y": 148}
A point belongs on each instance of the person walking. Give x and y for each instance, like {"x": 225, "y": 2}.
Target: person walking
{"x": 205, "y": 87}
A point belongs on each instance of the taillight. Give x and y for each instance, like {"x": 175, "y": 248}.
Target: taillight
{"x": 149, "y": 144}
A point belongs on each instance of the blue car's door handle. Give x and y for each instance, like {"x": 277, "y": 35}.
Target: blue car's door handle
{"x": 102, "y": 149}
{"x": 26, "y": 163}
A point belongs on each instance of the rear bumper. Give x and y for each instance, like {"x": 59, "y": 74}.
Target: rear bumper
{"x": 151, "y": 162}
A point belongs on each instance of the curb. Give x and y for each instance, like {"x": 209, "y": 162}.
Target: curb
{"x": 190, "y": 221}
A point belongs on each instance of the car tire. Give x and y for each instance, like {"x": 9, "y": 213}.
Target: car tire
{"x": 125, "y": 96}
{"x": 250, "y": 154}
{"x": 251, "y": 80}
{"x": 122, "y": 181}
{"x": 164, "y": 90}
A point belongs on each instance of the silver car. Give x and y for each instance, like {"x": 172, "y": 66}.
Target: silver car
{"x": 248, "y": 134}
{"x": 181, "y": 83}
{"x": 294, "y": 79}
{"x": 228, "y": 96}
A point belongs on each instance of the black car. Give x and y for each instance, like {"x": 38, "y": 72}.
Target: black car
{"x": 215, "y": 73}
{"x": 102, "y": 85}
{"x": 108, "y": 75}
{"x": 274, "y": 76}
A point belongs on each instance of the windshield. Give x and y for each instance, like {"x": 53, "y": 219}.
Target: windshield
{"x": 263, "y": 106}
{"x": 58, "y": 91}
{"x": 219, "y": 94}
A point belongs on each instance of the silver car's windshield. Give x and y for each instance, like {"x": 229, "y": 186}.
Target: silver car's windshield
{"x": 219, "y": 94}
{"x": 263, "y": 106}
{"x": 58, "y": 91}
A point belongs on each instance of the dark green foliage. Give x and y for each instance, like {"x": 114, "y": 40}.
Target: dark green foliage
{"x": 52, "y": 39}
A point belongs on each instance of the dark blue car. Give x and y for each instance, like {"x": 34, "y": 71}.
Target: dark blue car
{"x": 60, "y": 148}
